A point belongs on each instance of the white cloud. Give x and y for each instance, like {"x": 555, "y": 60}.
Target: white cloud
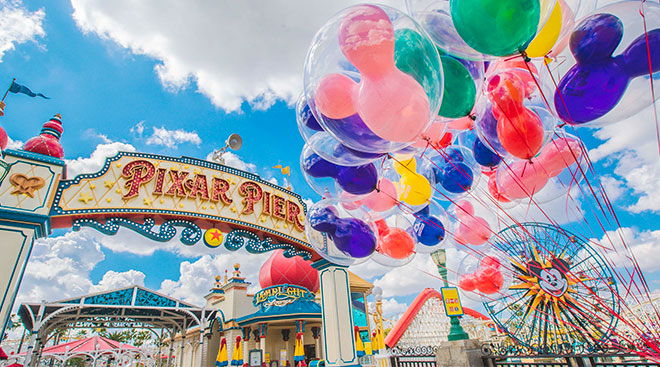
{"x": 171, "y": 138}
{"x": 632, "y": 148}
{"x": 197, "y": 277}
{"x": 14, "y": 144}
{"x": 59, "y": 267}
{"x": 138, "y": 129}
{"x": 96, "y": 159}
{"x": 644, "y": 245}
{"x": 115, "y": 280}
{"x": 18, "y": 25}
{"x": 392, "y": 307}
{"x": 233, "y": 51}
{"x": 234, "y": 160}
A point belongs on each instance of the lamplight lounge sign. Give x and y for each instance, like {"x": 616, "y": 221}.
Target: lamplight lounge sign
{"x": 280, "y": 295}
{"x": 146, "y": 184}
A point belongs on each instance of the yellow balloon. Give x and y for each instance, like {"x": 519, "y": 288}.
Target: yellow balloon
{"x": 547, "y": 37}
{"x": 414, "y": 189}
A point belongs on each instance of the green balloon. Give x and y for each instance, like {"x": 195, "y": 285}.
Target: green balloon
{"x": 496, "y": 27}
{"x": 459, "y": 90}
{"x": 418, "y": 58}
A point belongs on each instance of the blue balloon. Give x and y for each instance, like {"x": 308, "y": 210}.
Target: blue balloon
{"x": 455, "y": 177}
{"x": 429, "y": 230}
{"x": 483, "y": 155}
{"x": 453, "y": 155}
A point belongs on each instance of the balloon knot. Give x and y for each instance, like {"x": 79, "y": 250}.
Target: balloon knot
{"x": 472, "y": 117}
{"x": 561, "y": 125}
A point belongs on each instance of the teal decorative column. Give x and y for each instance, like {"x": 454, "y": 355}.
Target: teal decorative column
{"x": 27, "y": 186}
{"x": 338, "y": 334}
{"x": 456, "y": 331}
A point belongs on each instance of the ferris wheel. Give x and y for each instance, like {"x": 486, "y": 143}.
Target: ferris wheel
{"x": 562, "y": 292}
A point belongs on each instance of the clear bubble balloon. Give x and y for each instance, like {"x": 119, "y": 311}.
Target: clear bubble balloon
{"x": 516, "y": 113}
{"x": 339, "y": 236}
{"x": 550, "y": 175}
{"x": 373, "y": 79}
{"x": 396, "y": 242}
{"x": 323, "y": 143}
{"x": 345, "y": 183}
{"x": 453, "y": 172}
{"x": 603, "y": 76}
{"x": 485, "y": 275}
{"x": 429, "y": 228}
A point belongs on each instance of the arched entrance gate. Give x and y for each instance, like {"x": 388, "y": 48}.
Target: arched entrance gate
{"x": 163, "y": 197}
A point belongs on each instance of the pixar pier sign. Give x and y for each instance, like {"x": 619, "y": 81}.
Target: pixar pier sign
{"x": 136, "y": 186}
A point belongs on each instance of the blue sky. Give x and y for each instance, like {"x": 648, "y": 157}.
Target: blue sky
{"x": 158, "y": 81}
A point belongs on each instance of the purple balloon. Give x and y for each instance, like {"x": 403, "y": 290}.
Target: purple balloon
{"x": 488, "y": 125}
{"x": 308, "y": 118}
{"x": 350, "y": 235}
{"x": 598, "y": 81}
{"x": 352, "y": 131}
{"x": 356, "y": 180}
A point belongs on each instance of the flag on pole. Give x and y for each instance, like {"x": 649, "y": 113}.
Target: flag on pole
{"x": 18, "y": 88}
{"x": 285, "y": 170}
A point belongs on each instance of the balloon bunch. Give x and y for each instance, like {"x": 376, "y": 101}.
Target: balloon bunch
{"x": 408, "y": 117}
{"x": 486, "y": 279}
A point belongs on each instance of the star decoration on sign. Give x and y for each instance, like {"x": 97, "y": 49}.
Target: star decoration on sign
{"x": 85, "y": 198}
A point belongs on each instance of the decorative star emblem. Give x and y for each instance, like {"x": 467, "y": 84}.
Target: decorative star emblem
{"x": 147, "y": 201}
{"x": 108, "y": 184}
{"x": 215, "y": 234}
{"x": 233, "y": 209}
{"x": 92, "y": 186}
{"x": 85, "y": 198}
{"x": 108, "y": 199}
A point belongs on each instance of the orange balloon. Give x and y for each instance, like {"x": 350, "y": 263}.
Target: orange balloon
{"x": 394, "y": 242}
{"x": 519, "y": 129}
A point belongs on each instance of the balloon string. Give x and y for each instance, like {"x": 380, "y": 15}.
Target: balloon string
{"x": 648, "y": 54}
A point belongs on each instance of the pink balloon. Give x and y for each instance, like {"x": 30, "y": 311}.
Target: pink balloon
{"x": 382, "y": 199}
{"x": 471, "y": 230}
{"x": 463, "y": 123}
{"x": 559, "y": 154}
{"x": 432, "y": 135}
{"x": 390, "y": 102}
{"x": 464, "y": 209}
{"x": 334, "y": 96}
{"x": 521, "y": 179}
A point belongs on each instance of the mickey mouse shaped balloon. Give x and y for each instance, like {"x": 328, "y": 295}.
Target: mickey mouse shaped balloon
{"x": 599, "y": 81}
{"x": 390, "y": 102}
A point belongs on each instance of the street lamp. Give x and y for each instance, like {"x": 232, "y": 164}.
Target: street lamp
{"x": 378, "y": 320}
{"x": 233, "y": 142}
{"x": 456, "y": 331}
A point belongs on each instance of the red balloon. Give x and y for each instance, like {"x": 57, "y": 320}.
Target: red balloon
{"x": 394, "y": 242}
{"x": 494, "y": 191}
{"x": 489, "y": 279}
{"x": 519, "y": 129}
{"x": 491, "y": 261}
{"x": 468, "y": 282}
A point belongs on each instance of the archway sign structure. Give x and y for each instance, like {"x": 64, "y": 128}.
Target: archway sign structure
{"x": 161, "y": 198}
{"x": 132, "y": 307}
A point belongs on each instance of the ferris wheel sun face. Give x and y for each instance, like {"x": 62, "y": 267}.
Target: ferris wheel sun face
{"x": 562, "y": 291}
